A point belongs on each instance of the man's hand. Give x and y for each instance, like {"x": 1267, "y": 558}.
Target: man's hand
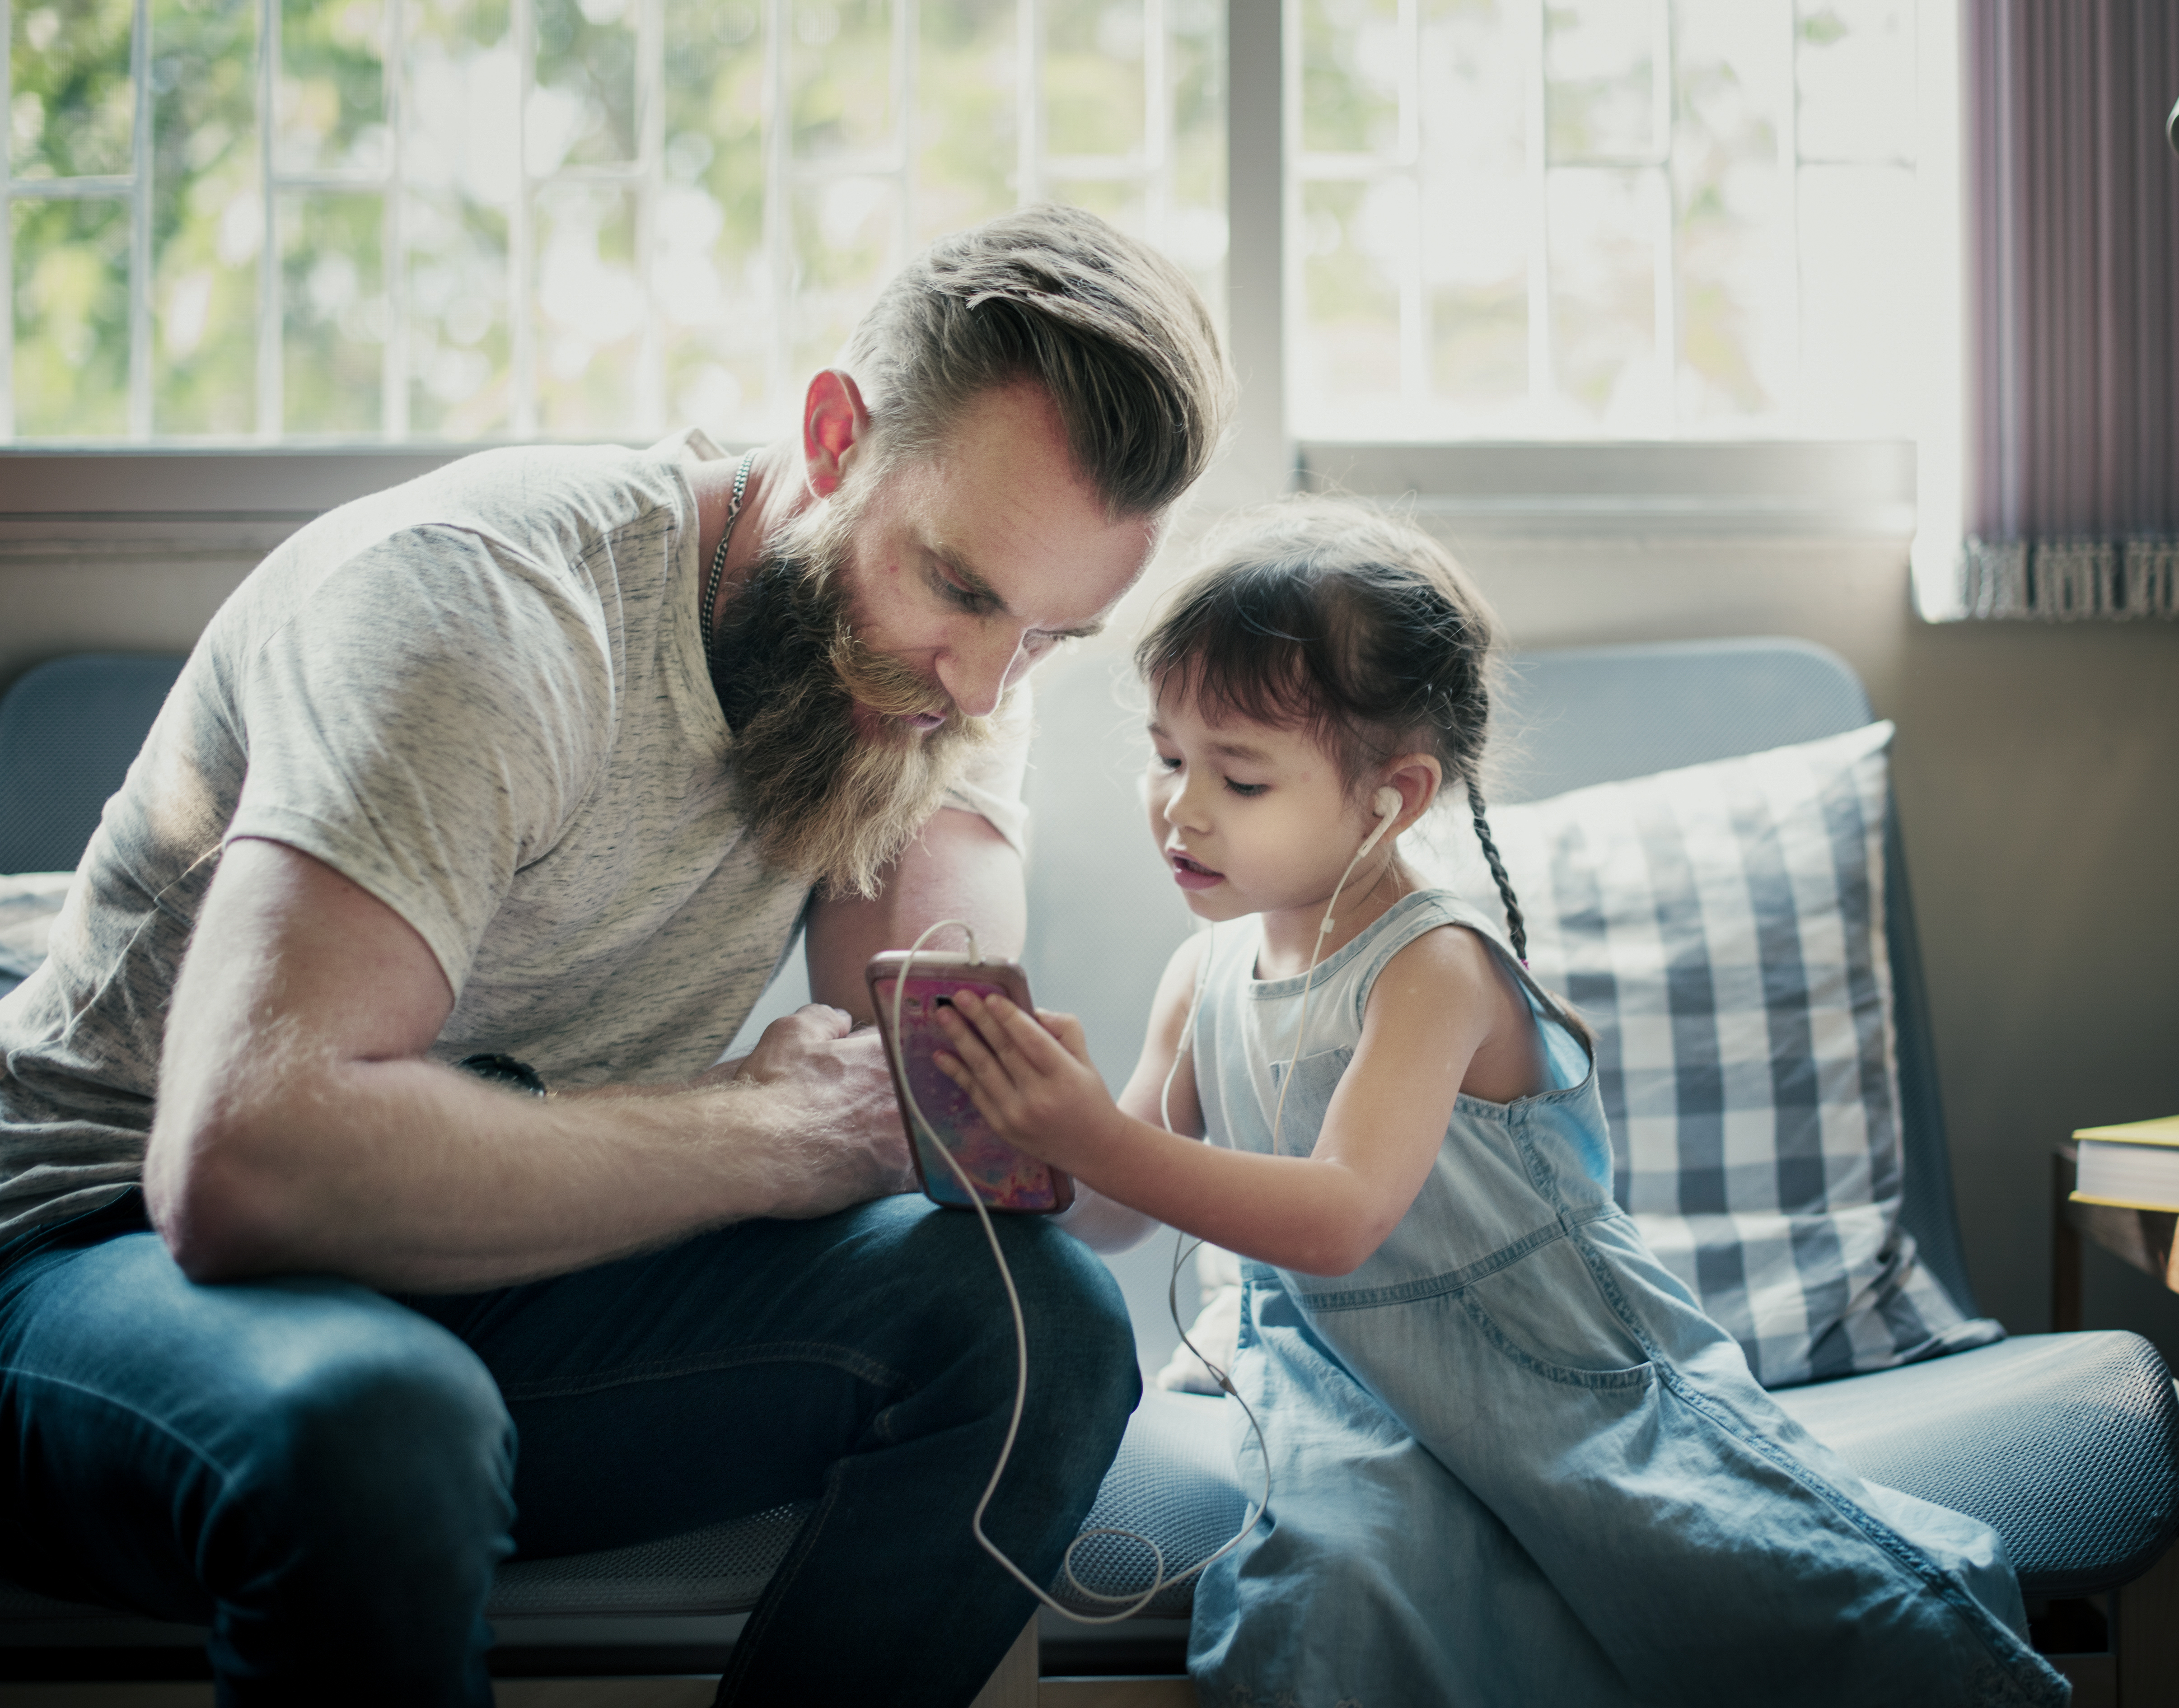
{"x": 1031, "y": 1078}
{"x": 853, "y": 1148}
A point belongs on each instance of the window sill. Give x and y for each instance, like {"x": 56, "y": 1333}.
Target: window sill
{"x": 1800, "y": 488}
{"x": 59, "y": 484}
{"x": 1538, "y": 491}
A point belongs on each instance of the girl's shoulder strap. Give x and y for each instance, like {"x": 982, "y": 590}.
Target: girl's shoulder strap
{"x": 1226, "y": 955}
{"x": 1426, "y": 910}
{"x": 1413, "y": 915}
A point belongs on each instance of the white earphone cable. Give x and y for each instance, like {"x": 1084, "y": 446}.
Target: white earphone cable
{"x": 1159, "y": 1582}
{"x": 1388, "y": 813}
{"x": 1183, "y": 1249}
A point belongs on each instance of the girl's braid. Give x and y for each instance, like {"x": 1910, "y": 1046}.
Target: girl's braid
{"x": 1515, "y": 929}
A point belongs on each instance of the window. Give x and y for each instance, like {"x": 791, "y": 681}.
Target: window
{"x": 1541, "y": 219}
{"x": 465, "y": 219}
{"x": 418, "y": 221}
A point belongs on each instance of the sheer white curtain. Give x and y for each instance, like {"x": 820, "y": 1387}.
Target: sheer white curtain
{"x": 2072, "y": 493}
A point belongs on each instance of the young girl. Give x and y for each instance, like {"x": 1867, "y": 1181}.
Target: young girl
{"x": 1512, "y": 1462}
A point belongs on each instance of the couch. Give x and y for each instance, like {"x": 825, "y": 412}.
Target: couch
{"x": 2067, "y": 1444}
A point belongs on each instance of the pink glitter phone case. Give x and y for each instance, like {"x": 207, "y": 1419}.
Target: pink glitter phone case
{"x": 1006, "y": 1179}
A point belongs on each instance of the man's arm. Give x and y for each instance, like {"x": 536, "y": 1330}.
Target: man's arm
{"x": 299, "y": 1128}
{"x": 960, "y": 868}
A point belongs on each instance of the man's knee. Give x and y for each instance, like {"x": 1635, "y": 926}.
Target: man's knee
{"x": 387, "y": 1442}
{"x": 949, "y": 1312}
{"x": 1084, "y": 1379}
{"x": 264, "y": 1442}
{"x": 1068, "y": 1294}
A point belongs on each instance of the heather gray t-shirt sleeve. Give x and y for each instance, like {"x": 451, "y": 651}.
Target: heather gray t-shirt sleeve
{"x": 430, "y": 728}
{"x": 482, "y": 698}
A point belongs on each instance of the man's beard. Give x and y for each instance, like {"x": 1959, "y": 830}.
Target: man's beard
{"x": 825, "y": 798}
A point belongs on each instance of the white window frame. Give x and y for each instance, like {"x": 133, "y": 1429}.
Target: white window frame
{"x": 1145, "y": 168}
{"x": 1402, "y": 163}
{"x": 1653, "y": 489}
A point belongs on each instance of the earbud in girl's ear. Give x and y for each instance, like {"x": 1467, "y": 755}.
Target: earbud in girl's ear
{"x": 1388, "y": 802}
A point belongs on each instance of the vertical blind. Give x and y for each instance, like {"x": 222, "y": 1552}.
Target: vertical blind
{"x": 2073, "y": 271}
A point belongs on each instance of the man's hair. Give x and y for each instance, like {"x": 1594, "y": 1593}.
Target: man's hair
{"x": 1113, "y": 330}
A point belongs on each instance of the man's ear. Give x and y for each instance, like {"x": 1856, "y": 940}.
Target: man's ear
{"x": 833, "y": 422}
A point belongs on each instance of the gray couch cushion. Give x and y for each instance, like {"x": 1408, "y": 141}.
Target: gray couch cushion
{"x": 2068, "y": 1445}
{"x": 1172, "y": 1481}
{"x": 68, "y": 730}
{"x": 720, "y": 1570}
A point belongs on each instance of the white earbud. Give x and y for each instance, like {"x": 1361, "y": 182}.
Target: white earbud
{"x": 1387, "y": 803}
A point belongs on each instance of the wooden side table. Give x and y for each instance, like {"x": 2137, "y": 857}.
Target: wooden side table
{"x": 2143, "y": 1238}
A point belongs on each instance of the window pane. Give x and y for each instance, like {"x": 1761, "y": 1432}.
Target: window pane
{"x": 1731, "y": 196}
{"x": 583, "y": 111}
{"x": 968, "y": 138}
{"x": 1476, "y": 221}
{"x": 208, "y": 219}
{"x": 1192, "y": 228}
{"x": 1697, "y": 274}
{"x": 1350, "y": 76}
{"x": 1601, "y": 59}
{"x": 71, "y": 112}
{"x": 1120, "y": 203}
{"x": 1092, "y": 76}
{"x": 844, "y": 233}
{"x": 71, "y": 318}
{"x": 334, "y": 336}
{"x": 331, "y": 98}
{"x": 1605, "y": 227}
{"x": 897, "y": 120}
{"x": 713, "y": 289}
{"x": 840, "y": 76}
{"x": 1350, "y": 310}
{"x": 590, "y": 313}
{"x": 1859, "y": 364}
{"x": 1857, "y": 79}
{"x": 458, "y": 331}
{"x": 1478, "y": 353}
{"x": 464, "y": 175}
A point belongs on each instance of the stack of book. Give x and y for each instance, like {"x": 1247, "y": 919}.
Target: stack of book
{"x": 2133, "y": 1166}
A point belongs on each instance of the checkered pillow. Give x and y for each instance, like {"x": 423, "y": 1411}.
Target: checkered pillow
{"x": 1722, "y": 928}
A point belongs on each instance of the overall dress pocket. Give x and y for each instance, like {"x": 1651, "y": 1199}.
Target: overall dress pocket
{"x": 1301, "y": 1098}
{"x": 1546, "y": 1312}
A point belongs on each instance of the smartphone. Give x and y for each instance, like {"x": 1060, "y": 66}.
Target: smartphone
{"x": 1006, "y": 1179}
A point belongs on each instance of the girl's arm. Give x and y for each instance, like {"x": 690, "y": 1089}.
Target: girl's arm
{"x": 1438, "y": 1002}
{"x": 1103, "y": 1223}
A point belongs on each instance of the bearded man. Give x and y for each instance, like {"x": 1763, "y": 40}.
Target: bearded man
{"x": 532, "y": 767}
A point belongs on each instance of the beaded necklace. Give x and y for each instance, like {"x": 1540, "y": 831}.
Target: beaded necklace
{"x": 719, "y": 562}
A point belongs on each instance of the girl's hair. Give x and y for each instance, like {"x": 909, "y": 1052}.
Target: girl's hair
{"x": 1351, "y": 626}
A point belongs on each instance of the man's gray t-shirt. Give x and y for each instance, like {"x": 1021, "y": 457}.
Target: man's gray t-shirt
{"x": 483, "y": 698}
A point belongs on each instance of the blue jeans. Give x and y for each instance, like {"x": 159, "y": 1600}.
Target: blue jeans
{"x": 328, "y": 1476}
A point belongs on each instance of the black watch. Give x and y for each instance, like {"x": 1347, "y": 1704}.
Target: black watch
{"x": 504, "y": 1071}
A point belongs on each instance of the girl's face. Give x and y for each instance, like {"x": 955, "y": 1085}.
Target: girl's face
{"x": 1250, "y": 819}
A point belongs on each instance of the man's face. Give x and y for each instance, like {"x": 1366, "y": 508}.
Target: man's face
{"x": 886, "y": 623}
{"x": 967, "y": 567}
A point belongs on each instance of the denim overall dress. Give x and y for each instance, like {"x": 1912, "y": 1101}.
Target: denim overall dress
{"x": 1512, "y": 1463}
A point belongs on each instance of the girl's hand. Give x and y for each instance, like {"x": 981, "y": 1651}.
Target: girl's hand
{"x": 1031, "y": 1078}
